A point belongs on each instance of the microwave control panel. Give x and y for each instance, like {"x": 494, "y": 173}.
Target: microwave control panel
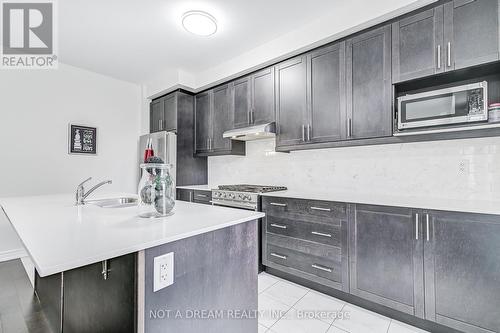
{"x": 475, "y": 101}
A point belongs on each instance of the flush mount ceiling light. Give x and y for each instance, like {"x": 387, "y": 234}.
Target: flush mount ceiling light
{"x": 199, "y": 23}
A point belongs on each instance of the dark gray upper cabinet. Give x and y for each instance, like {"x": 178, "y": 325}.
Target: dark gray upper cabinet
{"x": 462, "y": 266}
{"x": 213, "y": 116}
{"x": 471, "y": 33}
{"x": 386, "y": 257}
{"x": 291, "y": 101}
{"x": 163, "y": 114}
{"x": 458, "y": 34}
{"x": 222, "y": 118}
{"x": 156, "y": 116}
{"x": 175, "y": 112}
{"x": 263, "y": 97}
{"x": 326, "y": 70}
{"x": 417, "y": 45}
{"x": 242, "y": 102}
{"x": 203, "y": 124}
{"x": 254, "y": 99}
{"x": 170, "y": 113}
{"x": 369, "y": 88}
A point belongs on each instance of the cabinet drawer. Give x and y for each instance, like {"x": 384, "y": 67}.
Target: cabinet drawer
{"x": 318, "y": 266}
{"x": 328, "y": 234}
{"x": 309, "y": 210}
{"x": 200, "y": 196}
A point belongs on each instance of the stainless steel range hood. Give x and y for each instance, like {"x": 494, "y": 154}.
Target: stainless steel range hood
{"x": 255, "y": 132}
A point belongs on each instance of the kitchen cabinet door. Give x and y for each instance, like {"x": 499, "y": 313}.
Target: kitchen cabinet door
{"x": 462, "y": 271}
{"x": 369, "y": 88}
{"x": 263, "y": 97}
{"x": 170, "y": 112}
{"x": 471, "y": 33}
{"x": 327, "y": 94}
{"x": 291, "y": 101}
{"x": 241, "y": 102}
{"x": 203, "y": 117}
{"x": 156, "y": 115}
{"x": 222, "y": 117}
{"x": 184, "y": 194}
{"x": 386, "y": 258}
{"x": 94, "y": 304}
{"x": 417, "y": 45}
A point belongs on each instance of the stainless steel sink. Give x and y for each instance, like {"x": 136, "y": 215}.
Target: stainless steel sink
{"x": 114, "y": 203}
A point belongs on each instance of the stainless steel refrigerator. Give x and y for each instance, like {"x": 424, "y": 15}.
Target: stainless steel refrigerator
{"x": 164, "y": 146}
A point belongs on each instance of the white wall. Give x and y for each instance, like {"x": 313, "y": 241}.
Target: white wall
{"x": 429, "y": 169}
{"x": 36, "y": 107}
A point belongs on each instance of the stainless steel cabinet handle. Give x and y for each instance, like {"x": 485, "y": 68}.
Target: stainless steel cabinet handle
{"x": 253, "y": 116}
{"x": 416, "y": 226}
{"x": 190, "y": 196}
{"x": 278, "y": 226}
{"x": 160, "y": 124}
{"x": 321, "y": 234}
{"x": 439, "y": 56}
{"x": 104, "y": 269}
{"x": 303, "y": 132}
{"x": 349, "y": 127}
{"x": 427, "y": 226}
{"x": 321, "y": 209}
{"x": 309, "y": 132}
{"x": 322, "y": 268}
{"x": 277, "y": 204}
{"x": 279, "y": 256}
{"x": 448, "y": 57}
{"x": 202, "y": 195}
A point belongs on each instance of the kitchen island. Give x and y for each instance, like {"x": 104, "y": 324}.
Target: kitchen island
{"x": 94, "y": 265}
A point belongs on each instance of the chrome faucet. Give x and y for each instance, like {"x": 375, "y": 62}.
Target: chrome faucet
{"x": 80, "y": 191}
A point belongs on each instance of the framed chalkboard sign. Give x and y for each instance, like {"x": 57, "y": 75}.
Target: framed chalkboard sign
{"x": 82, "y": 140}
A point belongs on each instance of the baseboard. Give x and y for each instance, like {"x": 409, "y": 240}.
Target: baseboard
{"x": 12, "y": 254}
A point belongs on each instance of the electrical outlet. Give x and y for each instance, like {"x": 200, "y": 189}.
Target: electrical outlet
{"x": 163, "y": 271}
{"x": 464, "y": 167}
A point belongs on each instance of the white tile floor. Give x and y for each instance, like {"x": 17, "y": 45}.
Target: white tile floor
{"x": 286, "y": 307}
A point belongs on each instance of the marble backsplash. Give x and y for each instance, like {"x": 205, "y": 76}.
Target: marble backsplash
{"x": 460, "y": 169}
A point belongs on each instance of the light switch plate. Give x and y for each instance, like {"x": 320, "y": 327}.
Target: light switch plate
{"x": 163, "y": 271}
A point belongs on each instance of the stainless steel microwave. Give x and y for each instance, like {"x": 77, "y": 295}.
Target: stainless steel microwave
{"x": 460, "y": 104}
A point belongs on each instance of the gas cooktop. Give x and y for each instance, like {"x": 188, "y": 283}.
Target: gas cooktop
{"x": 251, "y": 188}
{"x": 241, "y": 196}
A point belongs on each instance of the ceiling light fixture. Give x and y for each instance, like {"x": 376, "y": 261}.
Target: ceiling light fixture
{"x": 199, "y": 23}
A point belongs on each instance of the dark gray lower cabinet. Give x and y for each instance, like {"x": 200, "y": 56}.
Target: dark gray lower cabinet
{"x": 90, "y": 301}
{"x": 386, "y": 258}
{"x": 462, "y": 271}
{"x": 306, "y": 238}
{"x": 183, "y": 194}
{"x": 196, "y": 196}
{"x": 204, "y": 197}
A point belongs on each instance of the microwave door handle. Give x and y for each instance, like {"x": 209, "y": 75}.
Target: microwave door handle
{"x": 439, "y": 56}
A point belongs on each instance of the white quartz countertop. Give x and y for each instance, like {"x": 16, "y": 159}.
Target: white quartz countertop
{"x": 198, "y": 187}
{"x": 431, "y": 203}
{"x": 60, "y": 236}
